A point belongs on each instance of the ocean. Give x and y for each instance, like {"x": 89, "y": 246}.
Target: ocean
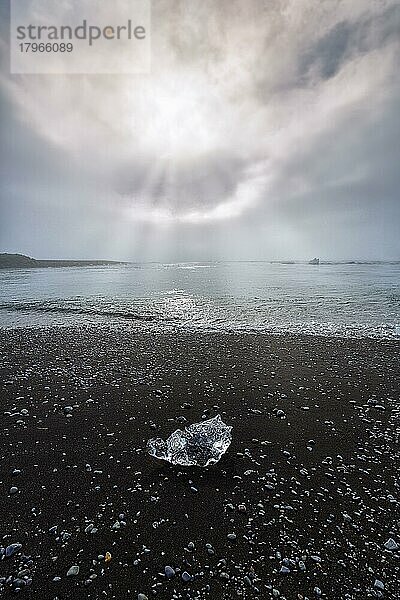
{"x": 351, "y": 299}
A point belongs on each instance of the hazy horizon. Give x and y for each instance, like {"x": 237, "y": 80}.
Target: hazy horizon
{"x": 265, "y": 131}
{"x": 211, "y": 260}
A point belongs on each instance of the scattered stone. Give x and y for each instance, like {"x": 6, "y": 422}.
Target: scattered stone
{"x": 12, "y": 549}
{"x": 169, "y": 572}
{"x": 284, "y": 570}
{"x": 316, "y": 558}
{"x": 391, "y": 544}
{"x": 379, "y": 585}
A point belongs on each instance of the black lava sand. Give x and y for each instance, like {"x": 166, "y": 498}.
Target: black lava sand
{"x": 309, "y": 486}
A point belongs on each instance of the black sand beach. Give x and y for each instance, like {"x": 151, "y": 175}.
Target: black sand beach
{"x": 311, "y": 493}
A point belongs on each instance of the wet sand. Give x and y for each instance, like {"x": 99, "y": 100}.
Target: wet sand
{"x": 309, "y": 486}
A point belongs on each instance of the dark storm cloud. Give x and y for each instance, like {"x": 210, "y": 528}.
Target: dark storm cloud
{"x": 329, "y": 52}
{"x": 344, "y": 40}
{"x": 197, "y": 183}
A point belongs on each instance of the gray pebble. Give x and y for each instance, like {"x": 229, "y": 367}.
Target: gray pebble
{"x": 284, "y": 570}
{"x": 169, "y": 572}
{"x": 12, "y": 549}
{"x": 391, "y": 544}
{"x": 302, "y": 565}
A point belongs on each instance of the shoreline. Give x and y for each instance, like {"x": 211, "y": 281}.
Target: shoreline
{"x": 141, "y": 329}
{"x": 318, "y": 483}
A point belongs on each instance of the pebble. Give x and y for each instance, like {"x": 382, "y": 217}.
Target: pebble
{"x": 316, "y": 558}
{"x": 391, "y": 544}
{"x": 73, "y": 571}
{"x": 12, "y": 549}
{"x": 284, "y": 570}
{"x": 169, "y": 572}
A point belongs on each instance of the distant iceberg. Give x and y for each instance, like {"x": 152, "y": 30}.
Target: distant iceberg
{"x": 200, "y": 444}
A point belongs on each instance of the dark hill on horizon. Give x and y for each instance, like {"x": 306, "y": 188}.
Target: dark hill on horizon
{"x": 20, "y": 261}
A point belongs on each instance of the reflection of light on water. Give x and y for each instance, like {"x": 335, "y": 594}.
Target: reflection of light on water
{"x": 227, "y": 297}
{"x": 189, "y": 266}
{"x": 186, "y": 308}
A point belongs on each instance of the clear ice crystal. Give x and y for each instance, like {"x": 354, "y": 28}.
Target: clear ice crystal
{"x": 200, "y": 444}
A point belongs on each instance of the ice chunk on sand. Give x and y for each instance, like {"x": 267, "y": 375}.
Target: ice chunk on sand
{"x": 200, "y": 444}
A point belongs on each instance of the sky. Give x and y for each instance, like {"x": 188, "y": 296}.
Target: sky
{"x": 265, "y": 130}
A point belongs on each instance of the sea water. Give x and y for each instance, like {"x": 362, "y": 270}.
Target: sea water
{"x": 353, "y": 300}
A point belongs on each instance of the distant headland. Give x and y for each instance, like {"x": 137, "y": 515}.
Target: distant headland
{"x": 20, "y": 261}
